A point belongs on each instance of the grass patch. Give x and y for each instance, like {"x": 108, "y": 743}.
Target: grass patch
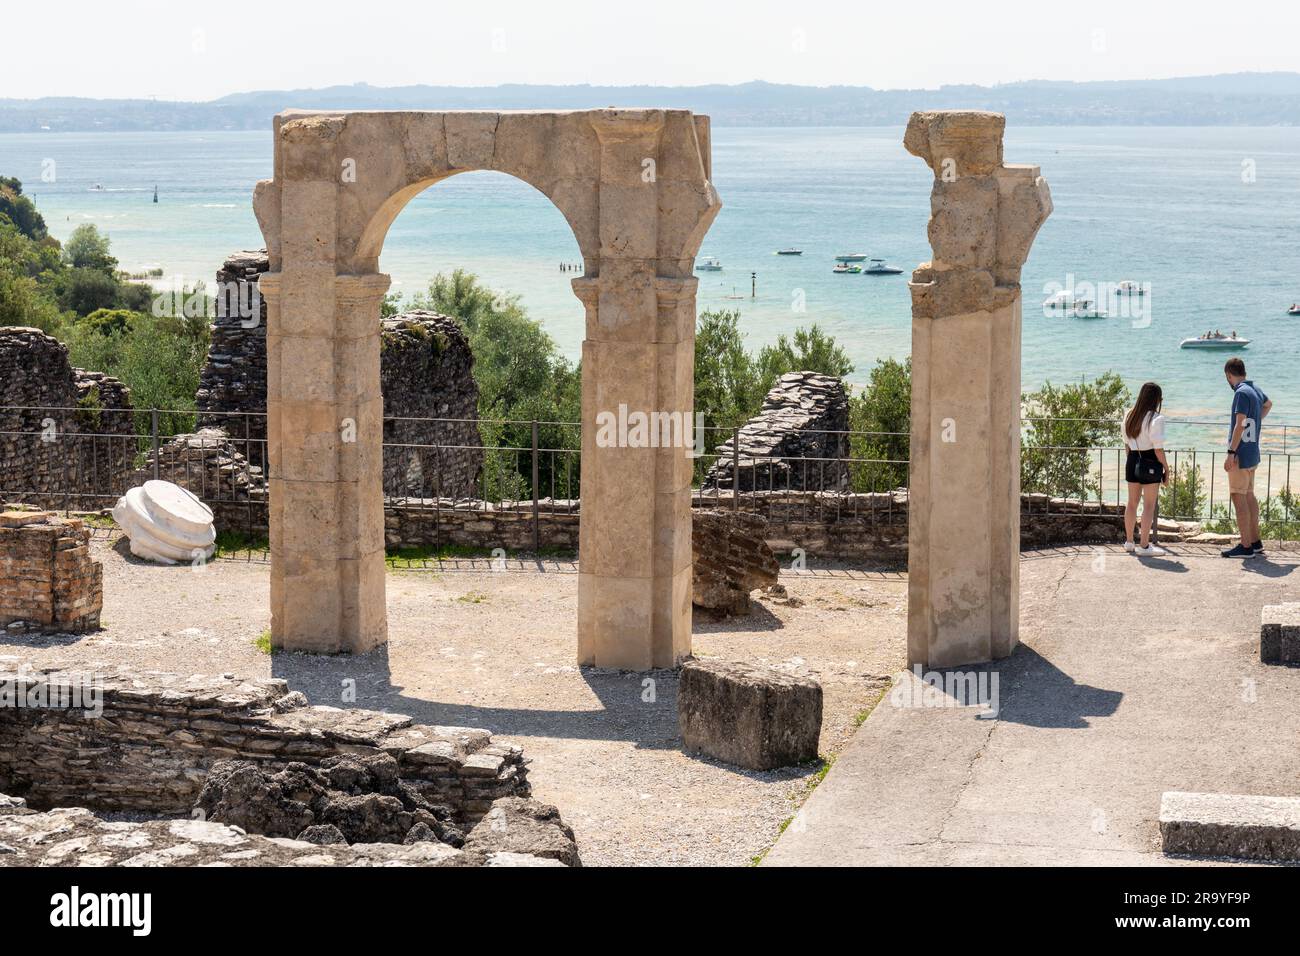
{"x": 238, "y": 544}
{"x": 473, "y": 597}
{"x": 263, "y": 642}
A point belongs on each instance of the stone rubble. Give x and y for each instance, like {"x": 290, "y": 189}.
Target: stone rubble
{"x": 798, "y": 441}
{"x": 731, "y": 559}
{"x": 48, "y": 580}
{"x": 67, "y": 436}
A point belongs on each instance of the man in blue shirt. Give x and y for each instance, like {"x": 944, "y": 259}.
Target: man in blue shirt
{"x": 1249, "y": 406}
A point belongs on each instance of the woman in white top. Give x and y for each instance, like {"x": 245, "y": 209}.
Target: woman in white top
{"x": 1146, "y": 469}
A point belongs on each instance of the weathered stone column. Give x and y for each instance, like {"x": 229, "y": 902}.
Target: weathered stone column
{"x": 325, "y": 438}
{"x": 634, "y": 590}
{"x": 964, "y": 488}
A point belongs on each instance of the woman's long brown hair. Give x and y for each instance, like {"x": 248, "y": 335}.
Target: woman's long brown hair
{"x": 1150, "y": 398}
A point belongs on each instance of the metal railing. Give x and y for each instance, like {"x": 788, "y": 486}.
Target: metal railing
{"x": 82, "y": 459}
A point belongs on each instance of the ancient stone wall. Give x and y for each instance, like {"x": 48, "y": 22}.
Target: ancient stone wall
{"x": 233, "y": 378}
{"x": 426, "y": 371}
{"x": 121, "y": 740}
{"x": 796, "y": 442}
{"x": 731, "y": 559}
{"x": 66, "y": 435}
{"x": 48, "y": 581}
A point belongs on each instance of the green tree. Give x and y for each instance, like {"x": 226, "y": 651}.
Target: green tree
{"x": 87, "y": 249}
{"x": 727, "y": 386}
{"x": 882, "y": 415}
{"x": 1064, "y": 425}
{"x": 812, "y": 351}
{"x": 521, "y": 376}
{"x": 20, "y": 210}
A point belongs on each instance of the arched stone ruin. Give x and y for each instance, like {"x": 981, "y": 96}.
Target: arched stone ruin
{"x": 634, "y": 187}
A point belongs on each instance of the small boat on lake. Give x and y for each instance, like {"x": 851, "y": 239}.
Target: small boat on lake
{"x": 1067, "y": 304}
{"x": 845, "y": 268}
{"x": 709, "y": 264}
{"x": 789, "y": 252}
{"x": 852, "y": 257}
{"x": 1129, "y": 287}
{"x": 1214, "y": 340}
{"x": 879, "y": 268}
{"x": 1294, "y": 310}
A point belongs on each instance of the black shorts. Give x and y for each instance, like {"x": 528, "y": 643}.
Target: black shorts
{"x": 1143, "y": 468}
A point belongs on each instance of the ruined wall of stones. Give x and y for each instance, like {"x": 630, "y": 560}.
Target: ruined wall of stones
{"x": 48, "y": 580}
{"x": 233, "y": 378}
{"x": 65, "y": 434}
{"x": 731, "y": 559}
{"x": 426, "y": 371}
{"x": 150, "y": 747}
{"x": 797, "y": 441}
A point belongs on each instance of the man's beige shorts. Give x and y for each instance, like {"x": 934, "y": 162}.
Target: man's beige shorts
{"x": 1241, "y": 481}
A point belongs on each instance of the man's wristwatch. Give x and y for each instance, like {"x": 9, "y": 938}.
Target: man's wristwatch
{"x": 1233, "y": 452}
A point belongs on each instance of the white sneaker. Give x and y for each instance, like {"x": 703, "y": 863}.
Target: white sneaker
{"x": 1130, "y": 547}
{"x": 1151, "y": 551}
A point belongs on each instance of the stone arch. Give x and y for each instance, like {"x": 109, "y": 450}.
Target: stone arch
{"x": 634, "y": 187}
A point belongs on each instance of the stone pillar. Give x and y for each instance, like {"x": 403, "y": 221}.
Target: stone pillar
{"x": 325, "y": 437}
{"x": 634, "y": 592}
{"x": 964, "y": 488}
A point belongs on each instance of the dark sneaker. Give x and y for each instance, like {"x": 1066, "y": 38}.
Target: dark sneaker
{"x": 1240, "y": 551}
{"x": 1258, "y": 547}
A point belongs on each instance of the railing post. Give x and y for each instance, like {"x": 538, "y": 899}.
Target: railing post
{"x": 537, "y": 530}
{"x": 153, "y": 431}
{"x": 735, "y": 468}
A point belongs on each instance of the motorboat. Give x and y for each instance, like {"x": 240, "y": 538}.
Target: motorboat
{"x": 709, "y": 264}
{"x": 789, "y": 252}
{"x": 852, "y": 257}
{"x": 845, "y": 268}
{"x": 1068, "y": 304}
{"x": 1129, "y": 287}
{"x": 1294, "y": 310}
{"x": 1214, "y": 340}
{"x": 877, "y": 267}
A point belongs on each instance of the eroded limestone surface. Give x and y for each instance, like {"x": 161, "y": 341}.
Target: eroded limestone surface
{"x": 76, "y": 837}
{"x": 964, "y": 485}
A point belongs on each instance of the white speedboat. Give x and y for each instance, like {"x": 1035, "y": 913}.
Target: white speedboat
{"x": 852, "y": 257}
{"x": 789, "y": 252}
{"x": 1294, "y": 310}
{"x": 1129, "y": 287}
{"x": 845, "y": 268}
{"x": 1068, "y": 304}
{"x": 1213, "y": 341}
{"x": 877, "y": 267}
{"x": 709, "y": 264}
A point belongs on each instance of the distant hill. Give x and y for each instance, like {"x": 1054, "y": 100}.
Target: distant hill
{"x": 1237, "y": 99}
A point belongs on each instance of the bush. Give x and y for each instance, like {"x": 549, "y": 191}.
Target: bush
{"x": 884, "y": 408}
{"x": 1184, "y": 496}
{"x": 1063, "y": 426}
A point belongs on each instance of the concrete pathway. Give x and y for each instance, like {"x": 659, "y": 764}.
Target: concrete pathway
{"x": 1134, "y": 676}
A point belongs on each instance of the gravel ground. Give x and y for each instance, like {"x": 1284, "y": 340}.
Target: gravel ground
{"x": 473, "y": 646}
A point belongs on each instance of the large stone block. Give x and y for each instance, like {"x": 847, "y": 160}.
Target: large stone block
{"x": 1232, "y": 825}
{"x": 731, "y": 559}
{"x": 1279, "y": 634}
{"x": 753, "y": 717}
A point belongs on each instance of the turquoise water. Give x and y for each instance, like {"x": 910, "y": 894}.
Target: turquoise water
{"x": 1164, "y": 206}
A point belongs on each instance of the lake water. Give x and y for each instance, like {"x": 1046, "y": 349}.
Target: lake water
{"x": 1209, "y": 217}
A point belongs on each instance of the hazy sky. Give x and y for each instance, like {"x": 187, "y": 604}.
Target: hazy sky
{"x": 192, "y": 50}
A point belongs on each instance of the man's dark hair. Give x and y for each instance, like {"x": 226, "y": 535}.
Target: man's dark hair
{"x": 1235, "y": 366}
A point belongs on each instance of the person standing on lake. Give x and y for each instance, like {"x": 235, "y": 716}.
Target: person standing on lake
{"x": 1249, "y": 407}
{"x": 1146, "y": 469}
